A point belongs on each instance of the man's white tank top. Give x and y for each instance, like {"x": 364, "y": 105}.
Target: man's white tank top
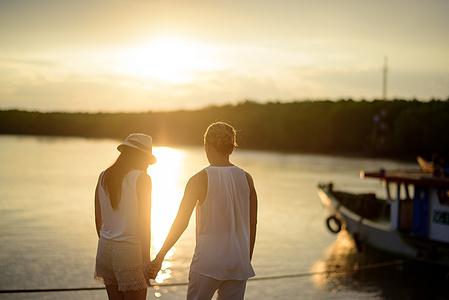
{"x": 223, "y": 226}
{"x": 120, "y": 224}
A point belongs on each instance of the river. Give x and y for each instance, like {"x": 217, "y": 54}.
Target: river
{"x": 48, "y": 239}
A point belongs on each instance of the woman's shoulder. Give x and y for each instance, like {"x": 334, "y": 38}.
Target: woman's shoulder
{"x": 137, "y": 176}
{"x": 140, "y": 176}
{"x": 136, "y": 173}
{"x": 100, "y": 178}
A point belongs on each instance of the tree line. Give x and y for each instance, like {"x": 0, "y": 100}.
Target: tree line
{"x": 396, "y": 128}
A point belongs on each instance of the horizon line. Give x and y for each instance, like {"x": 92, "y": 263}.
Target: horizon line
{"x": 230, "y": 103}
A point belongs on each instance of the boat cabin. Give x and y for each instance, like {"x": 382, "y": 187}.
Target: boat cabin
{"x": 419, "y": 203}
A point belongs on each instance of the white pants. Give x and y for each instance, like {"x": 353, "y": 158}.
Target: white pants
{"x": 203, "y": 288}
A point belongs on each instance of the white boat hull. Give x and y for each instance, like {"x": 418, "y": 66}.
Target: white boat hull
{"x": 378, "y": 235}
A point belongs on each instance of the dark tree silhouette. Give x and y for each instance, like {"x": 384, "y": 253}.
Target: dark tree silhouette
{"x": 396, "y": 128}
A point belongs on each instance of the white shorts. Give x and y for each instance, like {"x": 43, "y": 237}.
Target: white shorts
{"x": 203, "y": 288}
{"x": 121, "y": 264}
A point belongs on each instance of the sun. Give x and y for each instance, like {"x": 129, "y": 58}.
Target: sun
{"x": 166, "y": 59}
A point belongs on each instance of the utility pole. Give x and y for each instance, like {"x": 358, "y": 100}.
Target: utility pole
{"x": 384, "y": 79}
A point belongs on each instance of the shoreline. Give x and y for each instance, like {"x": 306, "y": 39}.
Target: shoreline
{"x": 398, "y": 129}
{"x": 268, "y": 151}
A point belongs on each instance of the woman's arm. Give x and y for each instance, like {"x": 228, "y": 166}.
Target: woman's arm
{"x": 98, "y": 220}
{"x": 144, "y": 202}
{"x": 195, "y": 189}
{"x": 253, "y": 214}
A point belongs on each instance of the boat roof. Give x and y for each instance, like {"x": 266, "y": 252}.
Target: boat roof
{"x": 415, "y": 177}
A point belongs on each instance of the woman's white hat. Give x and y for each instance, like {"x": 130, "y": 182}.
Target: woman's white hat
{"x": 140, "y": 142}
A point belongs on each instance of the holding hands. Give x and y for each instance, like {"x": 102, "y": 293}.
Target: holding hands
{"x": 154, "y": 267}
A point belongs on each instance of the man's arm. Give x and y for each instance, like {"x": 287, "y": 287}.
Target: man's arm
{"x": 192, "y": 194}
{"x": 253, "y": 214}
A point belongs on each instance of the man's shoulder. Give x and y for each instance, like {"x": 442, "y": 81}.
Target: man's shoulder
{"x": 197, "y": 184}
{"x": 249, "y": 178}
{"x": 199, "y": 177}
{"x": 246, "y": 173}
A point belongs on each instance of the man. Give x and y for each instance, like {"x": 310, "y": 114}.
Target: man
{"x": 226, "y": 217}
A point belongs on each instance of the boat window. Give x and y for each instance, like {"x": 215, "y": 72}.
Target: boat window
{"x": 388, "y": 191}
{"x": 443, "y": 196}
{"x": 399, "y": 191}
{"x": 408, "y": 191}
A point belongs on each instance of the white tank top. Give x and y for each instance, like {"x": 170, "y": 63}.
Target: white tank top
{"x": 120, "y": 224}
{"x": 223, "y": 226}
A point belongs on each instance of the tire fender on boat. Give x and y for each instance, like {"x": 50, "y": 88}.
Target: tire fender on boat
{"x": 333, "y": 224}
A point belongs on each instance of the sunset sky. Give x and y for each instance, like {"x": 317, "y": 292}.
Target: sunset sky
{"x": 105, "y": 55}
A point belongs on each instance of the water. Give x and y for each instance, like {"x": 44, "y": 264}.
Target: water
{"x": 48, "y": 238}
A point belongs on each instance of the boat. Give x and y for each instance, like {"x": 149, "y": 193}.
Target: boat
{"x": 412, "y": 221}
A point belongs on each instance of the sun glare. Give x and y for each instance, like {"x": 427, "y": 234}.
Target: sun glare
{"x": 166, "y": 59}
{"x": 166, "y": 197}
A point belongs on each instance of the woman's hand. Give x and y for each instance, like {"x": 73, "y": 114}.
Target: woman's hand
{"x": 155, "y": 267}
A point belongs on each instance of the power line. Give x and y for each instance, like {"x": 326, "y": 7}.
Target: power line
{"x": 273, "y": 277}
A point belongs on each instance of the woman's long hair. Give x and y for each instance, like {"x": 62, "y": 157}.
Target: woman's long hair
{"x": 129, "y": 159}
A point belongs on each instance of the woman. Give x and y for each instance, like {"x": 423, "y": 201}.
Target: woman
{"x": 226, "y": 217}
{"x": 122, "y": 218}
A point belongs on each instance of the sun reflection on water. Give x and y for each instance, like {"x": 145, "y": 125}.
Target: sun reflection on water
{"x": 166, "y": 197}
{"x": 340, "y": 256}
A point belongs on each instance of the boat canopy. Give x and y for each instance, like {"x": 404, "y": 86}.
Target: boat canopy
{"x": 415, "y": 177}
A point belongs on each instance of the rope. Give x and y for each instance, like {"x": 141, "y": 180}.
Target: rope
{"x": 274, "y": 277}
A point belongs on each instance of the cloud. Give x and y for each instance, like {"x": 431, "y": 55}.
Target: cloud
{"x": 28, "y": 62}
{"x": 54, "y": 85}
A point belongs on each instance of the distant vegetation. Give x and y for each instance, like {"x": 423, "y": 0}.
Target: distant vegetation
{"x": 379, "y": 128}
